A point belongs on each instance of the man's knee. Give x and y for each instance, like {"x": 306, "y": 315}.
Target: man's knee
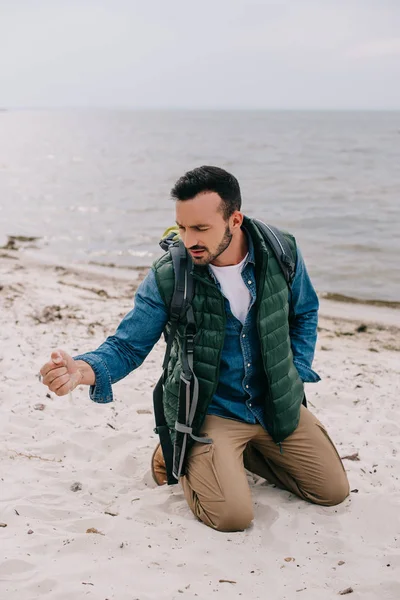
{"x": 335, "y": 493}
{"x": 232, "y": 518}
{"x": 339, "y": 494}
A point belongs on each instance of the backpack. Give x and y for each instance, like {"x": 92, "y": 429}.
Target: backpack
{"x": 175, "y": 453}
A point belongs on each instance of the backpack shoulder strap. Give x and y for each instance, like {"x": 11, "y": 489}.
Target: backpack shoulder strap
{"x": 281, "y": 248}
{"x": 183, "y": 291}
{"x": 180, "y": 304}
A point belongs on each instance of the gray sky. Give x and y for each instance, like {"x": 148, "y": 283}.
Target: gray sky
{"x": 200, "y": 54}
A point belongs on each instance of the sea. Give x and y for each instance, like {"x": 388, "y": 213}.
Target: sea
{"x": 93, "y": 186}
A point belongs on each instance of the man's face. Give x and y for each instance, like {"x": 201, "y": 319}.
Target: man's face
{"x": 202, "y": 227}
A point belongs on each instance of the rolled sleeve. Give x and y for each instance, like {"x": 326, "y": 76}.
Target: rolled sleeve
{"x": 101, "y": 391}
{"x": 307, "y": 375}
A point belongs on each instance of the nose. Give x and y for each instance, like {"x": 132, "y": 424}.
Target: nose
{"x": 190, "y": 239}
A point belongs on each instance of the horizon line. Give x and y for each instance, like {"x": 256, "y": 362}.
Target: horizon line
{"x": 6, "y": 108}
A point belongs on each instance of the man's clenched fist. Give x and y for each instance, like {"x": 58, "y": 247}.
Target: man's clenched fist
{"x": 62, "y": 373}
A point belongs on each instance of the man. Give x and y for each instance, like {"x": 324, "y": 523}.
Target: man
{"x": 254, "y": 347}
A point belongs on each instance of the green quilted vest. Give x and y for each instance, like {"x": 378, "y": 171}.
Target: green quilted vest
{"x": 285, "y": 392}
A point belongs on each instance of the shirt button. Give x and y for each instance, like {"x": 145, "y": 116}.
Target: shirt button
{"x": 249, "y": 364}
{"x": 249, "y": 282}
{"x": 244, "y": 335}
{"x": 250, "y": 405}
{"x": 247, "y": 387}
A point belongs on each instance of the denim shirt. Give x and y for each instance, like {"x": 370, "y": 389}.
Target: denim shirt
{"x": 241, "y": 380}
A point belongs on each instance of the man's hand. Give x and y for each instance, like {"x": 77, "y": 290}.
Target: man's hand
{"x": 62, "y": 373}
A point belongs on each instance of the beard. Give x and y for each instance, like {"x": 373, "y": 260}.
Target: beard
{"x": 208, "y": 256}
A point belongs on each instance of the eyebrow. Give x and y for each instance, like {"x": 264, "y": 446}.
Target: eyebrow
{"x": 192, "y": 226}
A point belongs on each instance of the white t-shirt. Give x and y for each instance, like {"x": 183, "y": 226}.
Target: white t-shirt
{"x": 234, "y": 288}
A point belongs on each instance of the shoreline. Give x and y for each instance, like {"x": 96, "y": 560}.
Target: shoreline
{"x": 334, "y": 306}
{"x": 18, "y": 246}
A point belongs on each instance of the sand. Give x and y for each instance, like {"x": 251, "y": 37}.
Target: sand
{"x": 69, "y": 466}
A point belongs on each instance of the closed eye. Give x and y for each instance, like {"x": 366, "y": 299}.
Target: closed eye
{"x": 181, "y": 228}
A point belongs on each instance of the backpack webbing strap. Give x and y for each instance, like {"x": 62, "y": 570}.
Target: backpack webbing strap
{"x": 162, "y": 429}
{"x": 281, "y": 249}
{"x": 188, "y": 399}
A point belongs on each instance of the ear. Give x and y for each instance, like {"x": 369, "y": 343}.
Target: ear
{"x": 236, "y": 219}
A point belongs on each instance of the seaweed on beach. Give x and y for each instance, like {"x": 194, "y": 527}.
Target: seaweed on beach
{"x": 53, "y": 313}
{"x": 14, "y": 242}
{"x": 351, "y": 300}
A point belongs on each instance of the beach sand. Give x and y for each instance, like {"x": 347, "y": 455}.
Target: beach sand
{"x": 69, "y": 466}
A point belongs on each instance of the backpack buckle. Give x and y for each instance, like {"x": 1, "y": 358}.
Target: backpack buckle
{"x": 190, "y": 343}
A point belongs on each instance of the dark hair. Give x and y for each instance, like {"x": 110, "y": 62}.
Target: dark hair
{"x": 210, "y": 179}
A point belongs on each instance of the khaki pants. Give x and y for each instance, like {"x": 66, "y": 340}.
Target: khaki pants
{"x": 216, "y": 486}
